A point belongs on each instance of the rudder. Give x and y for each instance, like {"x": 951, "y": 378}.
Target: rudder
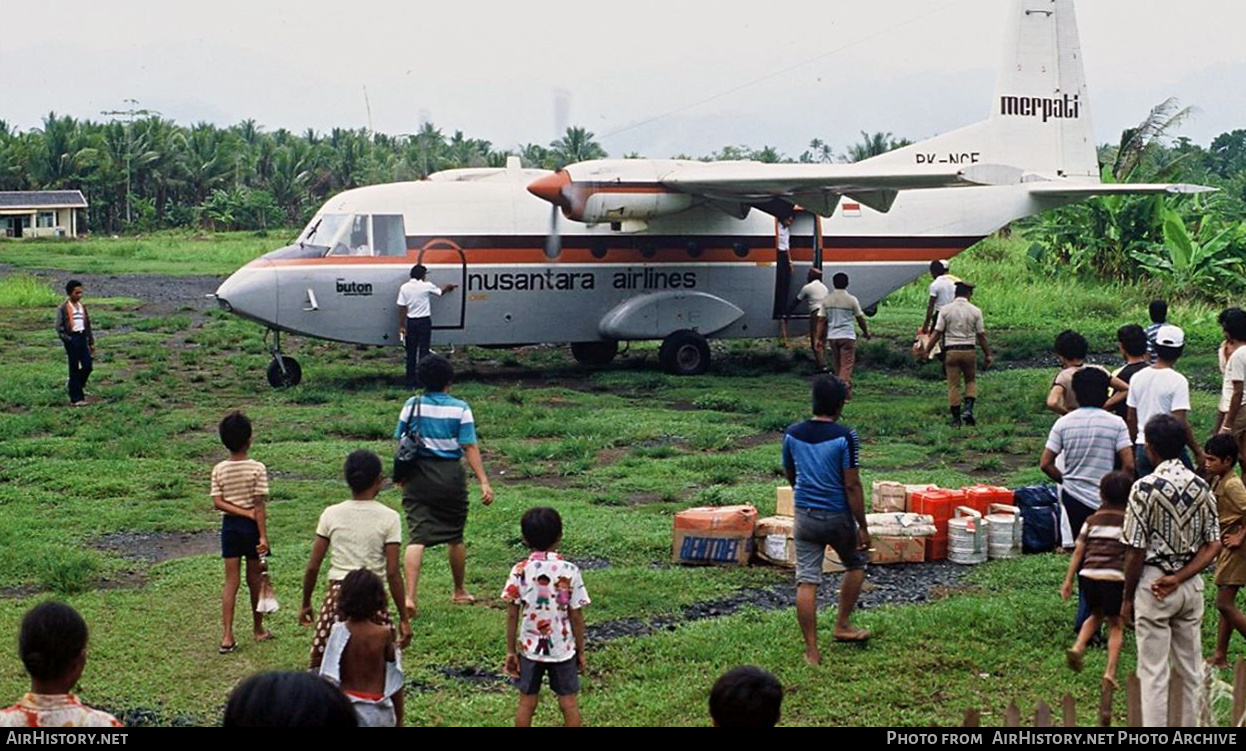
{"x": 1040, "y": 112}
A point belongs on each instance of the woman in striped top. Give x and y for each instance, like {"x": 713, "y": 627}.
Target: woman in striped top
{"x": 434, "y": 495}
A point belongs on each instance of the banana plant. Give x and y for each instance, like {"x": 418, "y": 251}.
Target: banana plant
{"x": 1209, "y": 259}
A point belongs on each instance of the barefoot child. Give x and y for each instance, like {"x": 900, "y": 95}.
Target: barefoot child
{"x": 361, "y": 657}
{"x": 240, "y": 493}
{"x": 1099, "y": 562}
{"x": 1231, "y": 565}
{"x": 360, "y": 533}
{"x": 548, "y": 593}
{"x": 53, "y": 648}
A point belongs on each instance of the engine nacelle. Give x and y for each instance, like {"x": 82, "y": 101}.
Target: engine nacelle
{"x": 605, "y": 205}
{"x": 613, "y": 190}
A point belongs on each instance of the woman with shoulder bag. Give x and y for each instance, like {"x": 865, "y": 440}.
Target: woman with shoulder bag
{"x": 434, "y": 485}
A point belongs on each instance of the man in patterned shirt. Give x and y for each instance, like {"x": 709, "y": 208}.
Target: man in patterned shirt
{"x": 53, "y": 647}
{"x": 1172, "y": 533}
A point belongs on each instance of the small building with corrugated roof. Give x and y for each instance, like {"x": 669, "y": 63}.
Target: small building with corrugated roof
{"x": 40, "y": 213}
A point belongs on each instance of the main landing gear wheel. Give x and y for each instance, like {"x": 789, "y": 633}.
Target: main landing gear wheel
{"x": 685, "y": 352}
{"x": 595, "y": 353}
{"x": 284, "y": 372}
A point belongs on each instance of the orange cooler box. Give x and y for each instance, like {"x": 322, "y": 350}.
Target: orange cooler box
{"x": 714, "y": 535}
{"x": 938, "y": 503}
{"x": 980, "y": 497}
{"x": 936, "y": 547}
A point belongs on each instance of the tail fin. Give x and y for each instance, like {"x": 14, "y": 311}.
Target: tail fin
{"x": 1040, "y": 115}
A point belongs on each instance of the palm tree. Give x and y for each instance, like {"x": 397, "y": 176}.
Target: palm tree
{"x": 872, "y": 145}
{"x": 576, "y": 145}
{"x": 1140, "y": 143}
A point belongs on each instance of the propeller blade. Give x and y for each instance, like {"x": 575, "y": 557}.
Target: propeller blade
{"x": 553, "y": 244}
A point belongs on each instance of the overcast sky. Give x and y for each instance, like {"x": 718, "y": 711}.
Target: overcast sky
{"x": 494, "y": 69}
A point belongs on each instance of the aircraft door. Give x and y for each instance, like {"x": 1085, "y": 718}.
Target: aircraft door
{"x": 447, "y": 264}
{"x": 804, "y": 250}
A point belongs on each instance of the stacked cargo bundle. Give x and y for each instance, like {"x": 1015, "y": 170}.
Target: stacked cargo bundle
{"x": 714, "y": 534}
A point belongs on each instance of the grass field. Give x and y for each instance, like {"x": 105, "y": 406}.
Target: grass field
{"x": 617, "y": 451}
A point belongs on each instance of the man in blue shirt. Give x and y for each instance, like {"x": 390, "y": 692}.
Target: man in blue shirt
{"x": 820, "y": 457}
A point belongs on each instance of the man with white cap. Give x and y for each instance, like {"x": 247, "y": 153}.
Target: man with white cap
{"x": 1161, "y": 390}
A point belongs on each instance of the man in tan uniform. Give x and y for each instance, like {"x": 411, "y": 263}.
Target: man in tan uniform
{"x": 961, "y": 331}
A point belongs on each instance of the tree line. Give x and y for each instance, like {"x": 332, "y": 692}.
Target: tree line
{"x": 147, "y": 172}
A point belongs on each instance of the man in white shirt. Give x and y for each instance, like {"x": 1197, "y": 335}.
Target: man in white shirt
{"x": 1161, "y": 390}
{"x": 415, "y": 318}
{"x": 812, "y": 294}
{"x": 942, "y": 292}
{"x": 841, "y": 309}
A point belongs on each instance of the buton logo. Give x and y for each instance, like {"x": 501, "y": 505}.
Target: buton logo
{"x": 353, "y": 289}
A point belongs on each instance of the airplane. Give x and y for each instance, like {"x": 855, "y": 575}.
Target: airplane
{"x": 681, "y": 251}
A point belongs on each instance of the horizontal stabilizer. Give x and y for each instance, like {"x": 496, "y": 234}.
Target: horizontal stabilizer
{"x": 1074, "y": 190}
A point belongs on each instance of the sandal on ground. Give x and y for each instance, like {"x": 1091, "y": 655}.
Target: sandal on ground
{"x": 227, "y": 648}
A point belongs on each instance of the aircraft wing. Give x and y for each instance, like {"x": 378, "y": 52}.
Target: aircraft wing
{"x": 818, "y": 186}
{"x": 1055, "y": 189}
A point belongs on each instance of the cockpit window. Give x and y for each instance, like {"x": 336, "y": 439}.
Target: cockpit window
{"x": 352, "y": 239}
{"x": 363, "y": 235}
{"x": 322, "y": 229}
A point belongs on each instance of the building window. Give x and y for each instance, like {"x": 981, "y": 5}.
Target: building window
{"x": 46, "y": 219}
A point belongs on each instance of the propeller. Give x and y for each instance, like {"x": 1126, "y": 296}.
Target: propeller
{"x": 553, "y": 243}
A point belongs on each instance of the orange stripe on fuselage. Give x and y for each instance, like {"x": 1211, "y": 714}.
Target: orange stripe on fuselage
{"x": 529, "y": 256}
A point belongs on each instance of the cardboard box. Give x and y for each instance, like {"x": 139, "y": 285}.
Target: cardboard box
{"x": 775, "y": 544}
{"x": 714, "y": 535}
{"x": 784, "y": 505}
{"x": 703, "y": 547}
{"x": 884, "y": 550}
{"x": 888, "y": 496}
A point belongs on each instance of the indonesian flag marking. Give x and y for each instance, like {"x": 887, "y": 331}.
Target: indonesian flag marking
{"x": 852, "y": 209}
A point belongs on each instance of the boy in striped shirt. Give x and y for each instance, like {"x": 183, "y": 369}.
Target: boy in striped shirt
{"x": 1099, "y": 563}
{"x": 240, "y": 492}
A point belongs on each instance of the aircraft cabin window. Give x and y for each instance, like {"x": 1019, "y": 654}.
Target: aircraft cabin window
{"x": 388, "y": 236}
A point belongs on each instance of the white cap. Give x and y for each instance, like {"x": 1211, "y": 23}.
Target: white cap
{"x": 1169, "y": 336}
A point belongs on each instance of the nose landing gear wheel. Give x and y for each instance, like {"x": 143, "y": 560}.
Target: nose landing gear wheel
{"x": 685, "y": 352}
{"x": 595, "y": 353}
{"x": 284, "y": 372}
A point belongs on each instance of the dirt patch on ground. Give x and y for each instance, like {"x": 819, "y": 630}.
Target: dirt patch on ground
{"x": 473, "y": 674}
{"x": 592, "y": 564}
{"x": 643, "y": 499}
{"x": 154, "y": 547}
{"x": 884, "y": 585}
{"x": 606, "y": 457}
{"x": 18, "y": 592}
{"x": 128, "y": 579}
{"x": 761, "y": 439}
{"x": 160, "y": 294}
{"x": 980, "y": 463}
